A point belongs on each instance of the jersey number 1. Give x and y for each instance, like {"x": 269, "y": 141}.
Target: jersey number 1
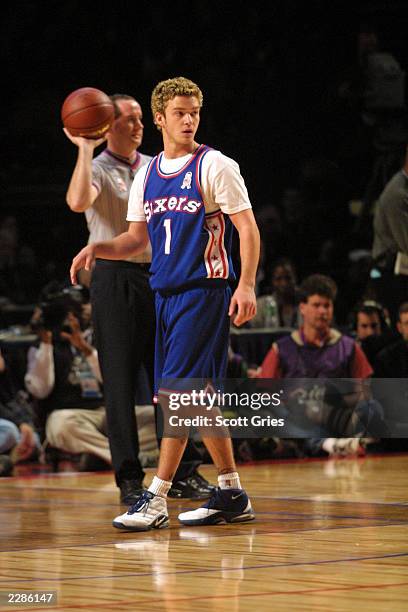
{"x": 167, "y": 227}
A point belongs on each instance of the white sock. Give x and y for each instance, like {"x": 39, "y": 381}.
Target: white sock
{"x": 159, "y": 487}
{"x": 229, "y": 481}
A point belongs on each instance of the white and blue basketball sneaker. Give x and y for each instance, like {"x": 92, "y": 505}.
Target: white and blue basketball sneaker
{"x": 224, "y": 506}
{"x": 149, "y": 512}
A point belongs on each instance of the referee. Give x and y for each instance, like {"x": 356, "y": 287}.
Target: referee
{"x": 122, "y": 300}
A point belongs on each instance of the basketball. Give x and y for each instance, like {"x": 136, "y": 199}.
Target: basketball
{"x": 87, "y": 112}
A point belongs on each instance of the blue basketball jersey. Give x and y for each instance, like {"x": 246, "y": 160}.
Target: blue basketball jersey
{"x": 189, "y": 246}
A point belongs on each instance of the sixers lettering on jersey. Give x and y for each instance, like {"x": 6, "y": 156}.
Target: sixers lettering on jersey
{"x": 162, "y": 205}
{"x": 189, "y": 245}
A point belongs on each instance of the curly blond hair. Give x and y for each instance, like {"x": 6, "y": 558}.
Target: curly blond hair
{"x": 169, "y": 89}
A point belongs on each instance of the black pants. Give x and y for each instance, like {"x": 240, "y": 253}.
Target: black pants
{"x": 124, "y": 324}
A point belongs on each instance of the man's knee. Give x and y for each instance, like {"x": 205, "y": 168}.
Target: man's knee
{"x": 61, "y": 427}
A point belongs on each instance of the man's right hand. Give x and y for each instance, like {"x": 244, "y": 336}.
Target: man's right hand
{"x": 75, "y": 336}
{"x": 84, "y": 259}
{"x": 79, "y": 141}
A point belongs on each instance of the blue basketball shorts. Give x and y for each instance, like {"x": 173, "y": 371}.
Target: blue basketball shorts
{"x": 192, "y": 335}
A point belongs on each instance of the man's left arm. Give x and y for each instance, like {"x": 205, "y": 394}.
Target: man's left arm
{"x": 243, "y": 301}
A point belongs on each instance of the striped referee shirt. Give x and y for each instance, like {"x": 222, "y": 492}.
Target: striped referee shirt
{"x": 113, "y": 176}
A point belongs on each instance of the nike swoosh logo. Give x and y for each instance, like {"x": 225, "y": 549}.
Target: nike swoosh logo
{"x": 236, "y": 496}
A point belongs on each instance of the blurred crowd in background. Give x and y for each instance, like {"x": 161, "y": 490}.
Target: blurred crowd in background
{"x": 319, "y": 125}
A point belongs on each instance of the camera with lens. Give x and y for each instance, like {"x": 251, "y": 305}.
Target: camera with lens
{"x": 55, "y": 306}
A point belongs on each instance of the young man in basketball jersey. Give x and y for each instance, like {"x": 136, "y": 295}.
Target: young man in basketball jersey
{"x": 187, "y": 200}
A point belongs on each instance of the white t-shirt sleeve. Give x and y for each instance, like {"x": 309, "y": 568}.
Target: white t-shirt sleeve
{"x": 40, "y": 376}
{"x": 135, "y": 204}
{"x": 222, "y": 184}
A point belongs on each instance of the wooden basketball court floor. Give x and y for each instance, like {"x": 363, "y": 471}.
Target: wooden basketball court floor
{"x": 329, "y": 535}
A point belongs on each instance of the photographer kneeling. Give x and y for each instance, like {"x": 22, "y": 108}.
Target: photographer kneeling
{"x": 63, "y": 374}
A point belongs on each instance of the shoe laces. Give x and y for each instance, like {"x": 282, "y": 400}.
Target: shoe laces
{"x": 142, "y": 503}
